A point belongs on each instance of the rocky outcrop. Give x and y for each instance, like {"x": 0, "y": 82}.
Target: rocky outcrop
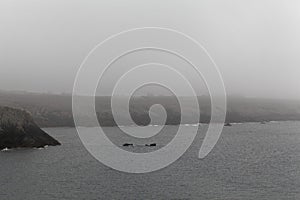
{"x": 227, "y": 124}
{"x": 151, "y": 145}
{"x": 17, "y": 129}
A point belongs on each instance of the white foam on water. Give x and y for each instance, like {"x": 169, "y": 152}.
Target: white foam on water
{"x": 6, "y": 149}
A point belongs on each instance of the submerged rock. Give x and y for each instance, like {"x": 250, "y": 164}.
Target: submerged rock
{"x": 228, "y": 124}
{"x": 17, "y": 129}
{"x": 127, "y": 144}
{"x": 151, "y": 145}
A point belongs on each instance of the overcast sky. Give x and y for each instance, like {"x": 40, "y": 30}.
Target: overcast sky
{"x": 255, "y": 43}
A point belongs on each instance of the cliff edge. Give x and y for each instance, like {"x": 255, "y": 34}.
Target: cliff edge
{"x": 17, "y": 129}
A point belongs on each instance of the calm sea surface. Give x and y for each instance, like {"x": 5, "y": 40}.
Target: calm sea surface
{"x": 250, "y": 161}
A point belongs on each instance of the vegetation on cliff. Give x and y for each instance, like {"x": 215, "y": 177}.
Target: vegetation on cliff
{"x": 17, "y": 129}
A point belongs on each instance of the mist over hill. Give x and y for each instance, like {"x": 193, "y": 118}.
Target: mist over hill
{"x": 49, "y": 110}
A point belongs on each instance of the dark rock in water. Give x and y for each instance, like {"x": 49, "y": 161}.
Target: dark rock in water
{"x": 263, "y": 122}
{"x": 228, "y": 124}
{"x": 17, "y": 129}
{"x": 127, "y": 145}
{"x": 151, "y": 145}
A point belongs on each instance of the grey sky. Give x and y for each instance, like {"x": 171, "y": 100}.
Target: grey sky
{"x": 256, "y": 43}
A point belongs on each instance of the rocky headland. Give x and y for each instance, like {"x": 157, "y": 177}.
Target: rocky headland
{"x": 18, "y": 130}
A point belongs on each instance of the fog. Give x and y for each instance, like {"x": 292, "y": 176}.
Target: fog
{"x": 255, "y": 43}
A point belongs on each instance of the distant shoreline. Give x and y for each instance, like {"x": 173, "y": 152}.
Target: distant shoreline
{"x": 56, "y": 110}
{"x": 153, "y": 125}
